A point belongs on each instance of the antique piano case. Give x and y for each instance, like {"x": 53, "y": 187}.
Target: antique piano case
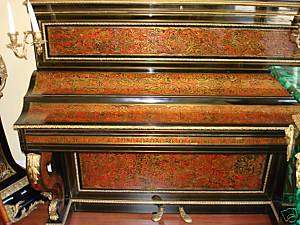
{"x": 172, "y": 107}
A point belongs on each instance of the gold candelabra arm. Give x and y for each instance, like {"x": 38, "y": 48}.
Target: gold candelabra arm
{"x": 20, "y": 48}
{"x": 3, "y": 75}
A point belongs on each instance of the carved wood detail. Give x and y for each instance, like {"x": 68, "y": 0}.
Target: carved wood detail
{"x": 43, "y": 180}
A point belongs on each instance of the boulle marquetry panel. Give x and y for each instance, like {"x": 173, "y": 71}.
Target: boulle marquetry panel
{"x": 173, "y": 171}
{"x": 176, "y": 40}
{"x": 192, "y": 114}
{"x": 156, "y": 84}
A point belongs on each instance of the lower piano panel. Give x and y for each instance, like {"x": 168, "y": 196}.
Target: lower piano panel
{"x": 205, "y": 172}
{"x": 176, "y": 171}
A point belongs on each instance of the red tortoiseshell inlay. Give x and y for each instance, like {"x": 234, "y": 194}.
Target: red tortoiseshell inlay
{"x": 151, "y": 114}
{"x": 171, "y": 84}
{"x": 155, "y": 140}
{"x": 168, "y": 41}
{"x": 152, "y": 171}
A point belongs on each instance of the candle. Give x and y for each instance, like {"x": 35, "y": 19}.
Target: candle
{"x": 11, "y": 22}
{"x": 34, "y": 23}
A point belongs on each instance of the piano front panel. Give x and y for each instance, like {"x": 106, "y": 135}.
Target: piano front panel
{"x": 159, "y": 171}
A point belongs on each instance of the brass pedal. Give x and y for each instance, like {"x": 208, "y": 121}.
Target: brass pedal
{"x": 156, "y": 217}
{"x": 186, "y": 218}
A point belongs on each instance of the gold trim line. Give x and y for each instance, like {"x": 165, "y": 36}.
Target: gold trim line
{"x": 125, "y": 127}
{"x": 151, "y": 202}
{"x": 154, "y": 24}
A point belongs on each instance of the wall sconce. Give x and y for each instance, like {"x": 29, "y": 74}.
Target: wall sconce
{"x": 3, "y": 75}
{"x": 18, "y": 47}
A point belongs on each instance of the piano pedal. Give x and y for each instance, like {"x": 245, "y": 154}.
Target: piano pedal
{"x": 157, "y": 216}
{"x": 186, "y": 218}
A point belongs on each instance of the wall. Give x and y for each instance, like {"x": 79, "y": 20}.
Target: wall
{"x": 19, "y": 72}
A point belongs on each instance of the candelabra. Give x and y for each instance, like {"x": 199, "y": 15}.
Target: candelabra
{"x": 20, "y": 48}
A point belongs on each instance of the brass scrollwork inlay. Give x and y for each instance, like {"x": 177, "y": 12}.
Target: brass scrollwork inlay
{"x": 13, "y": 210}
{"x": 33, "y": 167}
{"x": 3, "y": 75}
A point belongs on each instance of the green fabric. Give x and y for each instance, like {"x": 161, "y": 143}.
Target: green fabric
{"x": 289, "y": 78}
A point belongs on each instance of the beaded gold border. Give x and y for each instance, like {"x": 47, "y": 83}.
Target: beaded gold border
{"x": 14, "y": 187}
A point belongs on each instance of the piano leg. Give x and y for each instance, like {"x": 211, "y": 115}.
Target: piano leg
{"x": 44, "y": 180}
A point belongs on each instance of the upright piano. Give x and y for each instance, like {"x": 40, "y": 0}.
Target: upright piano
{"x": 164, "y": 106}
